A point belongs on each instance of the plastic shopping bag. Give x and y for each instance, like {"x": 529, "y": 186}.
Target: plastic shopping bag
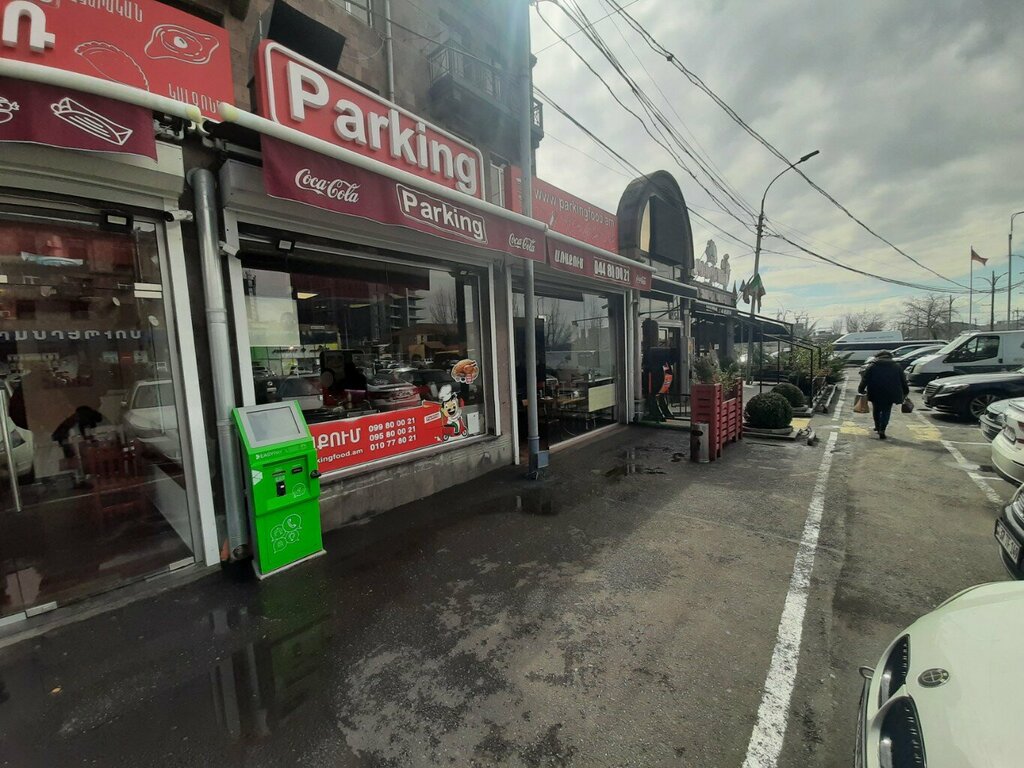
{"x": 860, "y": 405}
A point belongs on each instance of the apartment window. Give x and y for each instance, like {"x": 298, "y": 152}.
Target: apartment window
{"x": 496, "y": 189}
{"x": 361, "y": 9}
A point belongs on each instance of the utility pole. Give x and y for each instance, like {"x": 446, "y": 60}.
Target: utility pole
{"x": 755, "y": 280}
{"x": 949, "y": 320}
{"x": 992, "y": 307}
{"x": 1009, "y": 268}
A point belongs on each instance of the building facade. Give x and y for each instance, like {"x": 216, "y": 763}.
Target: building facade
{"x": 267, "y": 201}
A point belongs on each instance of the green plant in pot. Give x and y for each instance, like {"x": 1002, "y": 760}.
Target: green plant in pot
{"x": 792, "y": 394}
{"x": 706, "y": 370}
{"x": 769, "y": 410}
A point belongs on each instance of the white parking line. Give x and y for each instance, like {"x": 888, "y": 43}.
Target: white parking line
{"x": 773, "y": 713}
{"x": 969, "y": 468}
{"x": 841, "y": 401}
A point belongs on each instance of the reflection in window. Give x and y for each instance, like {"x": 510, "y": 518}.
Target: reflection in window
{"x": 356, "y": 337}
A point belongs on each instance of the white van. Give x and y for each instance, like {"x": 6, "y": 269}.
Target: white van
{"x": 976, "y": 352}
{"x": 858, "y": 347}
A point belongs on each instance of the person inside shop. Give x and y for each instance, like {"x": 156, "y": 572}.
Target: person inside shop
{"x": 85, "y": 419}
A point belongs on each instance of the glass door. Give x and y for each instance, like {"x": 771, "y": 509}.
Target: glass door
{"x": 92, "y": 487}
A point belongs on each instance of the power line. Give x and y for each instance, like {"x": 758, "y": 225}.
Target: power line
{"x": 813, "y": 254}
{"x": 606, "y": 16}
{"x": 696, "y": 80}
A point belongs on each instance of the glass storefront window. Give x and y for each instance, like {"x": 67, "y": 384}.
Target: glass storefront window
{"x": 351, "y": 338}
{"x": 576, "y": 362}
{"x": 97, "y": 496}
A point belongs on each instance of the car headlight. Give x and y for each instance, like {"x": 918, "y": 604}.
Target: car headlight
{"x": 948, "y": 389}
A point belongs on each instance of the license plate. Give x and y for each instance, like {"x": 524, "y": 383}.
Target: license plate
{"x": 1007, "y": 542}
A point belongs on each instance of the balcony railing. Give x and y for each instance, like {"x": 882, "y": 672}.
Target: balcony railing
{"x": 448, "y": 62}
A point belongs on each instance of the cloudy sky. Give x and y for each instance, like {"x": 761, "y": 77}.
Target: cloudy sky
{"x": 915, "y": 105}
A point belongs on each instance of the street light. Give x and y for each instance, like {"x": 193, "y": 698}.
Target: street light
{"x": 757, "y": 258}
{"x": 1009, "y": 267}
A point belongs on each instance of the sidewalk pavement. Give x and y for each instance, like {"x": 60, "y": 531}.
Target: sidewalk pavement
{"x": 500, "y": 619}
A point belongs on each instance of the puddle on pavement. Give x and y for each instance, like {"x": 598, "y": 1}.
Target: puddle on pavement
{"x": 631, "y": 467}
{"x": 536, "y": 505}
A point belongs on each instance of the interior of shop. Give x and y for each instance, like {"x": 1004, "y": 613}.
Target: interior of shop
{"x": 92, "y": 487}
{"x": 349, "y": 336}
{"x": 576, "y": 363}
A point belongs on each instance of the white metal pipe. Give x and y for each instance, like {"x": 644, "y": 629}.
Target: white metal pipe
{"x": 202, "y": 182}
{"x": 389, "y": 51}
{"x": 37, "y": 73}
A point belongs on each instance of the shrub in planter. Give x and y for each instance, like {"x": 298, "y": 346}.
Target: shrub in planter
{"x": 792, "y": 394}
{"x": 769, "y": 411}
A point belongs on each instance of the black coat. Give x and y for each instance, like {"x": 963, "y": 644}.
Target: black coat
{"x": 884, "y": 382}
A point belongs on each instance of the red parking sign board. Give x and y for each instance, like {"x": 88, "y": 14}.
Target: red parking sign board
{"x": 140, "y": 43}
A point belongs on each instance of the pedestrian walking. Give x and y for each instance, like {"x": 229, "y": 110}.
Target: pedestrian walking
{"x": 885, "y": 385}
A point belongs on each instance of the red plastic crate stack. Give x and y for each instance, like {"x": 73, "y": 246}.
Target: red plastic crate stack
{"x": 723, "y": 417}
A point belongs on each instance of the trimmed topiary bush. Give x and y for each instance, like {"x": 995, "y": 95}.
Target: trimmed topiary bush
{"x": 792, "y": 394}
{"x": 769, "y": 410}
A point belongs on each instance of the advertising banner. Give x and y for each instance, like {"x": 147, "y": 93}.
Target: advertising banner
{"x": 297, "y": 174}
{"x": 567, "y": 213}
{"x": 57, "y": 117}
{"x": 141, "y": 43}
{"x": 586, "y": 263}
{"x": 349, "y": 442}
{"x": 300, "y": 94}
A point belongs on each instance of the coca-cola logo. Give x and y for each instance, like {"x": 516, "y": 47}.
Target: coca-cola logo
{"x": 332, "y": 189}
{"x": 523, "y": 243}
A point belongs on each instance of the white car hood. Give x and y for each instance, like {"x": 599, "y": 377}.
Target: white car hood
{"x": 159, "y": 417}
{"x": 973, "y": 718}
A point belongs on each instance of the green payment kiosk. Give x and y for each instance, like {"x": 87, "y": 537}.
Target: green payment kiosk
{"x": 283, "y": 485}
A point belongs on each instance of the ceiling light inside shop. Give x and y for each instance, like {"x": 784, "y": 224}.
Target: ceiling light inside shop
{"x": 305, "y": 295}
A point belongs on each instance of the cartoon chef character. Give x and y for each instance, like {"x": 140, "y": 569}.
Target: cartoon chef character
{"x": 451, "y": 413}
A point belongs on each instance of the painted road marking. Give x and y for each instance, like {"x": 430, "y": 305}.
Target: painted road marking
{"x": 842, "y": 399}
{"x": 852, "y": 428}
{"x": 773, "y": 713}
{"x": 925, "y": 431}
{"x": 969, "y": 468}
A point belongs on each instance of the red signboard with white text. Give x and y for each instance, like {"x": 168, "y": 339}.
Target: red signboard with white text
{"x": 297, "y": 174}
{"x": 300, "y": 94}
{"x": 567, "y": 213}
{"x": 586, "y": 263}
{"x": 141, "y": 43}
{"x": 57, "y": 117}
{"x": 348, "y": 442}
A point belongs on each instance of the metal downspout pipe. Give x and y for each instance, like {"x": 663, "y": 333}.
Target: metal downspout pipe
{"x": 221, "y": 355}
{"x": 389, "y": 51}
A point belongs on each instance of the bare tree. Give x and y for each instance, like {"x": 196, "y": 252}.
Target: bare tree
{"x": 837, "y": 327}
{"x": 857, "y": 322}
{"x": 932, "y": 314}
{"x": 444, "y": 307}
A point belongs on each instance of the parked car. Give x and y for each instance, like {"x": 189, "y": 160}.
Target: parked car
{"x": 388, "y": 391}
{"x": 858, "y": 347}
{"x": 969, "y": 396}
{"x": 1009, "y": 533}
{"x": 22, "y": 449}
{"x": 1008, "y": 445}
{"x": 427, "y": 381}
{"x": 904, "y": 359}
{"x": 977, "y": 352}
{"x": 150, "y": 417}
{"x": 948, "y": 686}
{"x": 994, "y": 418}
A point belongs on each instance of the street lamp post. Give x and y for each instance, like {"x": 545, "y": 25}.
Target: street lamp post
{"x": 757, "y": 258}
{"x": 1009, "y": 259}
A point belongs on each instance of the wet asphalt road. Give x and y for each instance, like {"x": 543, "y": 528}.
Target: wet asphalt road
{"x": 622, "y": 612}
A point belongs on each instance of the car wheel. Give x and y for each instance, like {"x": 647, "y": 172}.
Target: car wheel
{"x": 976, "y": 405}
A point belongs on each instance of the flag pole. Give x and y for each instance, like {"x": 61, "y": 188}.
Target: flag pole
{"x": 970, "y": 301}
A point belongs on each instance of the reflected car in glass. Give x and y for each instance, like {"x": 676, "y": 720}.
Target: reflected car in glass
{"x": 150, "y": 417}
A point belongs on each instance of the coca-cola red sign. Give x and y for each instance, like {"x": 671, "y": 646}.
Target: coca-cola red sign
{"x": 300, "y": 94}
{"x": 294, "y": 173}
{"x": 586, "y": 263}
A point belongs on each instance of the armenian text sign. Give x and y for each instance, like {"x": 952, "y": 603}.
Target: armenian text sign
{"x": 141, "y": 43}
